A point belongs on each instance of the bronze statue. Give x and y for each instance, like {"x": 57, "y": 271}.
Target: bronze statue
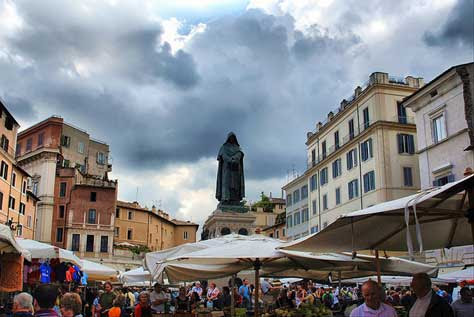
{"x": 230, "y": 176}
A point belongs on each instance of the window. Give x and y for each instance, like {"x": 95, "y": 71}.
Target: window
{"x": 323, "y": 149}
{"x": 116, "y": 231}
{"x": 304, "y": 215}
{"x": 91, "y": 216}
{"x": 104, "y": 244}
{"x": 22, "y": 209}
{"x": 289, "y": 221}
{"x": 323, "y": 176}
{"x": 338, "y": 196}
{"x": 304, "y": 192}
{"x": 129, "y": 234}
{"x": 439, "y": 128}
{"x": 440, "y": 181}
{"x": 325, "y": 201}
{"x": 65, "y": 140}
{"x": 62, "y": 189}
{"x": 313, "y": 182}
{"x": 130, "y": 215}
{"x": 185, "y": 235}
{"x": 313, "y": 156}
{"x": 75, "y": 242}
{"x": 100, "y": 158}
{"x": 59, "y": 235}
{"x": 297, "y": 218}
{"x": 277, "y": 234}
{"x": 40, "y": 138}
{"x": 336, "y": 168}
{"x": 314, "y": 229}
{"x": 366, "y": 150}
{"x": 11, "y": 203}
{"x": 407, "y": 177}
{"x": 283, "y": 232}
{"x": 29, "y": 144}
{"x": 35, "y": 187}
{"x": 369, "y": 181}
{"x": 314, "y": 206}
{"x": 4, "y": 143}
{"x": 353, "y": 188}
{"x": 336, "y": 140}
{"x": 61, "y": 211}
{"x": 18, "y": 149}
{"x": 351, "y": 158}
{"x": 365, "y": 114}
{"x": 90, "y": 243}
{"x": 117, "y": 212}
{"x": 406, "y": 143}
{"x": 351, "y": 129}
{"x": 66, "y": 163}
{"x": 296, "y": 196}
{"x": 14, "y": 179}
{"x": 288, "y": 200}
{"x": 402, "y": 114}
{"x": 80, "y": 147}
{"x": 4, "y": 170}
{"x": 23, "y": 187}
{"x": 28, "y": 221}
{"x": 93, "y": 196}
{"x": 1, "y": 200}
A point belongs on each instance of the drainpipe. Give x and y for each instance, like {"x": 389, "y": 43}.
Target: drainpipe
{"x": 360, "y": 159}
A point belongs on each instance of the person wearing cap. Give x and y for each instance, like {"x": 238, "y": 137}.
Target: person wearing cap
{"x": 158, "y": 299}
{"x": 196, "y": 288}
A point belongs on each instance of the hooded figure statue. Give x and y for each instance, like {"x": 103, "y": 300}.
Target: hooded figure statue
{"x": 230, "y": 176}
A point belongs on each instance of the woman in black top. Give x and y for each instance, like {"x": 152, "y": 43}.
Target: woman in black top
{"x": 181, "y": 302}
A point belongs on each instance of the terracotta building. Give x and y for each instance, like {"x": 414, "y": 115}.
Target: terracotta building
{"x": 46, "y": 147}
{"x": 17, "y": 202}
{"x": 84, "y": 211}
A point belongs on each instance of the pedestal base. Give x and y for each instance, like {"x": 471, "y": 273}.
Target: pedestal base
{"x": 229, "y": 220}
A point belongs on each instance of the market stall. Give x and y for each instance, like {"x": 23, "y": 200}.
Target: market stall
{"x": 98, "y": 272}
{"x": 466, "y": 274}
{"x": 136, "y": 277}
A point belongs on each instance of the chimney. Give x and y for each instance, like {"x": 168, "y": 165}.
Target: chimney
{"x": 330, "y": 115}
{"x": 153, "y": 209}
{"x": 270, "y": 195}
{"x": 357, "y": 91}
{"x": 378, "y": 78}
{"x": 343, "y": 103}
{"x": 414, "y": 82}
{"x": 319, "y": 126}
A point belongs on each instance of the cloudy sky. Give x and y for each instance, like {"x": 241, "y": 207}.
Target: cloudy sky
{"x": 163, "y": 82}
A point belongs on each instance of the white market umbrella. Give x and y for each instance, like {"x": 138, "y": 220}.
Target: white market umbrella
{"x": 8, "y": 244}
{"x": 98, "y": 272}
{"x": 435, "y": 219}
{"x": 136, "y": 277}
{"x": 391, "y": 280}
{"x": 466, "y": 274}
{"x": 41, "y": 250}
{"x": 155, "y": 262}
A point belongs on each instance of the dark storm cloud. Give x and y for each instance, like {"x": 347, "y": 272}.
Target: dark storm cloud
{"x": 23, "y": 108}
{"x": 458, "y": 29}
{"x": 106, "y": 70}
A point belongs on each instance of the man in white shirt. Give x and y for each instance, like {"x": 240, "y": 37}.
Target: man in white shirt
{"x": 196, "y": 288}
{"x": 427, "y": 303}
{"x": 158, "y": 299}
{"x": 373, "y": 305}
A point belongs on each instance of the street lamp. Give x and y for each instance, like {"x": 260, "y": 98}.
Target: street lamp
{"x": 14, "y": 226}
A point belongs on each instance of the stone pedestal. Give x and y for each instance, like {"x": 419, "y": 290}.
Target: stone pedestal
{"x": 222, "y": 222}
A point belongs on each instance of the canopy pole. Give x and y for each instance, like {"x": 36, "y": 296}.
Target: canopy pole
{"x": 377, "y": 264}
{"x": 257, "y": 266}
{"x": 470, "y": 211}
{"x": 339, "y": 275}
{"x": 232, "y": 299}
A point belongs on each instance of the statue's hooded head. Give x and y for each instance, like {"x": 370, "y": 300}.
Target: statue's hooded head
{"x": 232, "y": 139}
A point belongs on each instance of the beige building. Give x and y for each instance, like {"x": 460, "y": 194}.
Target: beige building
{"x": 153, "y": 229}
{"x": 17, "y": 202}
{"x": 363, "y": 154}
{"x": 445, "y": 129}
{"x": 278, "y": 229}
{"x": 265, "y": 217}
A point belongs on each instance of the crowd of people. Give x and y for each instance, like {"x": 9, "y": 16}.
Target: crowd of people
{"x": 421, "y": 299}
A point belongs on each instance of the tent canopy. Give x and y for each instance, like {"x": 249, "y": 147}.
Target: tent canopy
{"x": 8, "y": 244}
{"x": 98, "y": 272}
{"x": 41, "y": 250}
{"x": 466, "y": 274}
{"x": 391, "y": 280}
{"x": 384, "y": 226}
{"x": 136, "y": 277}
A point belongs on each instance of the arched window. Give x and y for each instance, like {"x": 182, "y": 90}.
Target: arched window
{"x": 225, "y": 231}
{"x": 243, "y": 231}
